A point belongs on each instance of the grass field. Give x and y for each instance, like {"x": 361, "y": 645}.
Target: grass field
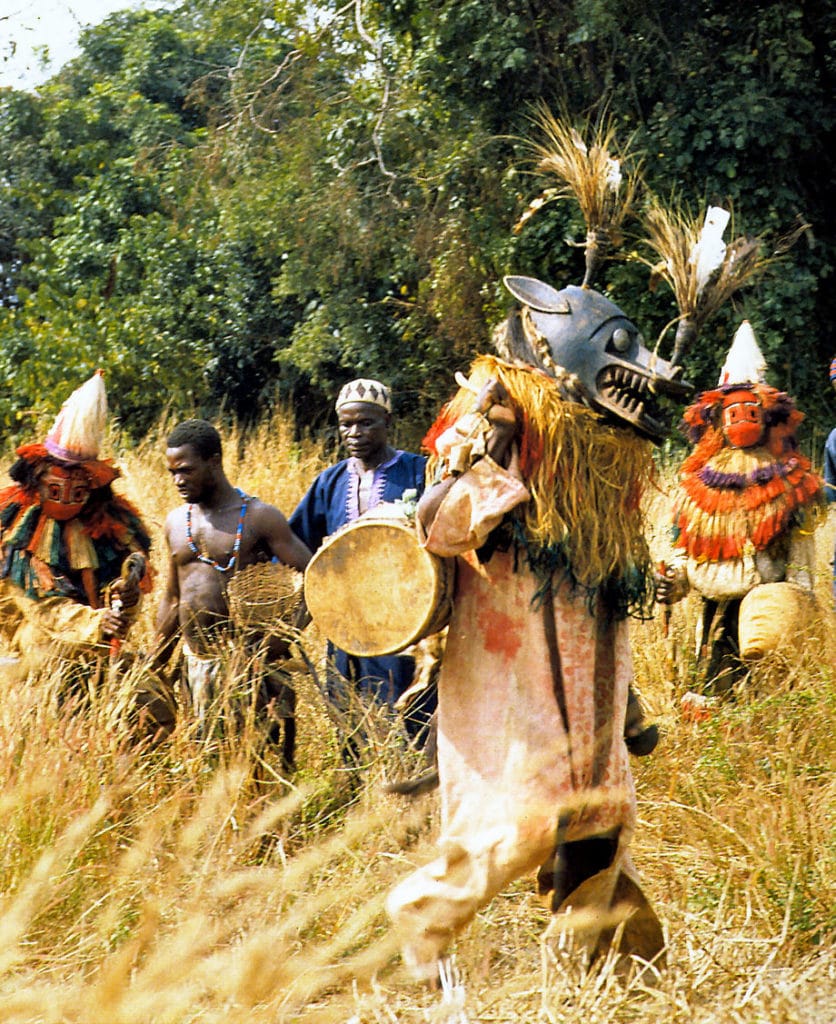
{"x": 165, "y": 887}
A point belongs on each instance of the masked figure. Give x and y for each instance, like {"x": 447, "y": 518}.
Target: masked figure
{"x": 744, "y": 513}
{"x": 539, "y": 464}
{"x": 64, "y": 539}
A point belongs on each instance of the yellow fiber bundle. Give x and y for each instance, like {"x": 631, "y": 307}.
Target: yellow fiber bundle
{"x": 585, "y": 476}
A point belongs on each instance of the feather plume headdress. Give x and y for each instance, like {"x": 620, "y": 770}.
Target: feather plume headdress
{"x": 745, "y": 363}
{"x": 601, "y": 177}
{"x": 586, "y": 478}
{"x": 76, "y": 435}
{"x": 701, "y": 269}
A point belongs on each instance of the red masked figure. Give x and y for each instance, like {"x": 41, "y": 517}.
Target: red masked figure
{"x": 64, "y": 537}
{"x": 744, "y": 511}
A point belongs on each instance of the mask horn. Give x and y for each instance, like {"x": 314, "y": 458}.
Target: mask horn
{"x": 536, "y": 294}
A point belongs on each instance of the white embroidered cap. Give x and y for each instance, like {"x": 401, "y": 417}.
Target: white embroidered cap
{"x": 363, "y": 390}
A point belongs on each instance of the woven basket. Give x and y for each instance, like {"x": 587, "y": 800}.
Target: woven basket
{"x": 264, "y": 597}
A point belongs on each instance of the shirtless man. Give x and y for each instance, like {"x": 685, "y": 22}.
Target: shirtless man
{"x": 219, "y": 531}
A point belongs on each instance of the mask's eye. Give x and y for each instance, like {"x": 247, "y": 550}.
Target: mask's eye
{"x": 54, "y": 491}
{"x": 620, "y": 339}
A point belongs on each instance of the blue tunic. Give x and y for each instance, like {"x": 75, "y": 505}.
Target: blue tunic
{"x": 830, "y": 478}
{"x": 331, "y": 502}
{"x": 830, "y": 464}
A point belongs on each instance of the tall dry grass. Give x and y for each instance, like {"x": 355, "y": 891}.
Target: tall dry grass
{"x": 167, "y": 887}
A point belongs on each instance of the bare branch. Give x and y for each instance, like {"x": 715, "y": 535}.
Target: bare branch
{"x": 253, "y": 107}
{"x": 377, "y": 132}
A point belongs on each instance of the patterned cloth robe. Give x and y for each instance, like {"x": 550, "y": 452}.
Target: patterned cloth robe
{"x": 532, "y": 698}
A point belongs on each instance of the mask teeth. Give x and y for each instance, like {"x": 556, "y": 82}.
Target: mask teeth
{"x": 626, "y": 392}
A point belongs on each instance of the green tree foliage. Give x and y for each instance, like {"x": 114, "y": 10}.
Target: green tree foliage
{"x": 101, "y": 242}
{"x": 227, "y": 205}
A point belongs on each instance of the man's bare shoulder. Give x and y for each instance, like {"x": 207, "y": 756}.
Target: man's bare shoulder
{"x": 177, "y": 514}
{"x": 175, "y": 520}
{"x": 268, "y": 532}
{"x": 265, "y": 514}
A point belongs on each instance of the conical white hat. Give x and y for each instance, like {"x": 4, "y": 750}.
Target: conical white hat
{"x": 744, "y": 363}
{"x": 79, "y": 428}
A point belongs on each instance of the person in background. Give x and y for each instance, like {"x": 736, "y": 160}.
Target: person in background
{"x": 219, "y": 531}
{"x": 65, "y": 539}
{"x": 374, "y": 472}
{"x": 745, "y": 510}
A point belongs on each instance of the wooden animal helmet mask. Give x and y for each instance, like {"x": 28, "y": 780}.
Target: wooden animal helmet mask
{"x": 580, "y": 331}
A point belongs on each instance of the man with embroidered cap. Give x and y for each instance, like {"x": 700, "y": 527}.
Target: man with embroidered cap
{"x": 64, "y": 539}
{"x": 219, "y": 531}
{"x": 374, "y": 472}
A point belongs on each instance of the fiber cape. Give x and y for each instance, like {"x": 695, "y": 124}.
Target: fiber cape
{"x": 586, "y": 479}
{"x": 734, "y": 500}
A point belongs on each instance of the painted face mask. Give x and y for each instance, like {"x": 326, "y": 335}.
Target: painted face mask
{"x": 742, "y": 419}
{"x": 581, "y": 331}
{"x": 63, "y": 492}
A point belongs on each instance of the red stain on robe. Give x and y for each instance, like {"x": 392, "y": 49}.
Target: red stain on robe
{"x": 501, "y": 633}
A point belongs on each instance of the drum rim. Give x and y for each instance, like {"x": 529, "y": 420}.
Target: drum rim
{"x": 433, "y": 607}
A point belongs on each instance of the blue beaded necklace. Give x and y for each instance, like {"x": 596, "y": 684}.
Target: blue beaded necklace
{"x": 238, "y": 534}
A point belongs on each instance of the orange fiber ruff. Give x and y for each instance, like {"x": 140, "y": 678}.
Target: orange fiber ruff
{"x": 733, "y": 500}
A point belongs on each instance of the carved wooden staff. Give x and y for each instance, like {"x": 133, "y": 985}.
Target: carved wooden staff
{"x": 133, "y": 569}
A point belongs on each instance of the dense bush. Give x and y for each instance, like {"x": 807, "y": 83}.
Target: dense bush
{"x": 224, "y": 209}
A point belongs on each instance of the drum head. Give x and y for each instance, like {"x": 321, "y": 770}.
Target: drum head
{"x": 371, "y": 588}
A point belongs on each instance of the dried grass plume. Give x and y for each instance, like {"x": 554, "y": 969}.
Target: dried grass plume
{"x": 600, "y": 175}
